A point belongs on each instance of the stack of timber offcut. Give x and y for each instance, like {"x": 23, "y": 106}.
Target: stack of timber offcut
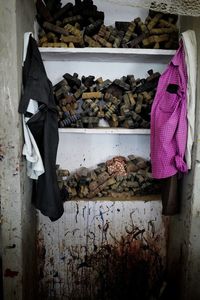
{"x": 82, "y": 25}
{"x": 124, "y": 102}
{"x": 119, "y": 177}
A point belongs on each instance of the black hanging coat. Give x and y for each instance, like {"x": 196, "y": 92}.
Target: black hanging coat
{"x": 44, "y": 127}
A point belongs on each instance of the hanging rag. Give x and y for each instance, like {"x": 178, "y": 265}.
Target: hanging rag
{"x": 43, "y": 126}
{"x": 190, "y": 48}
{"x": 34, "y": 164}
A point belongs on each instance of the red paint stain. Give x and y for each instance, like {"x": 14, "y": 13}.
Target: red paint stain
{"x": 10, "y": 273}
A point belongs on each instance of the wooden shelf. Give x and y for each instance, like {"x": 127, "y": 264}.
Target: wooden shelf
{"x": 105, "y": 131}
{"x": 145, "y": 198}
{"x": 106, "y": 54}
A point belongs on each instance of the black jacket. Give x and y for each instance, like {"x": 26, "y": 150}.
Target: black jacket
{"x": 44, "y": 127}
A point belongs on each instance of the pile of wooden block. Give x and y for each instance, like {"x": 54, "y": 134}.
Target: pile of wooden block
{"x": 82, "y": 25}
{"x": 125, "y": 102}
{"x": 119, "y": 177}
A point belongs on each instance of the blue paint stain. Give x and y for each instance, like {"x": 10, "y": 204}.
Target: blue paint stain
{"x": 84, "y": 208}
{"x": 101, "y": 215}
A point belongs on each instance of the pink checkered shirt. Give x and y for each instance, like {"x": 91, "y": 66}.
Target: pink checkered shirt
{"x": 169, "y": 120}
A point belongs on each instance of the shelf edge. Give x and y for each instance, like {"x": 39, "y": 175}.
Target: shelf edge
{"x": 145, "y": 198}
{"x": 105, "y": 131}
{"x": 122, "y": 51}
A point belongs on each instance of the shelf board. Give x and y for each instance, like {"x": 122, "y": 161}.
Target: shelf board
{"x": 105, "y": 54}
{"x": 105, "y": 131}
{"x": 145, "y": 198}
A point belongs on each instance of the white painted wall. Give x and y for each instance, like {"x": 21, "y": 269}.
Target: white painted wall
{"x": 77, "y": 150}
{"x": 111, "y": 70}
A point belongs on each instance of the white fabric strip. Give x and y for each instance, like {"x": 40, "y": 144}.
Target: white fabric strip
{"x": 35, "y": 166}
{"x": 190, "y": 47}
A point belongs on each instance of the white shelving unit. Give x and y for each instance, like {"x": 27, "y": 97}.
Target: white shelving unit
{"x": 90, "y": 146}
{"x": 83, "y": 224}
{"x": 106, "y": 54}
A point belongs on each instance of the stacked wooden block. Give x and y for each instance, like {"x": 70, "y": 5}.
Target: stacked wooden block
{"x": 119, "y": 177}
{"x": 82, "y": 25}
{"x": 125, "y": 102}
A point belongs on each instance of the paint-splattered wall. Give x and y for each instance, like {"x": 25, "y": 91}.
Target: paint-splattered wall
{"x": 103, "y": 250}
{"x": 17, "y": 216}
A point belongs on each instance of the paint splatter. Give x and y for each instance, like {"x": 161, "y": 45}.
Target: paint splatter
{"x": 77, "y": 212}
{"x": 129, "y": 267}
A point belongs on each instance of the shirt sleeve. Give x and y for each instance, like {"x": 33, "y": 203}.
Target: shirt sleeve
{"x": 181, "y": 134}
{"x": 182, "y": 128}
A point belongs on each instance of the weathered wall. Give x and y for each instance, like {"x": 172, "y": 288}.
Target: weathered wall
{"x": 18, "y": 222}
{"x": 109, "y": 250}
{"x": 25, "y": 11}
{"x": 184, "y": 242}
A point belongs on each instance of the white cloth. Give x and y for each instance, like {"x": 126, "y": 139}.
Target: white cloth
{"x": 190, "y": 47}
{"x": 35, "y": 165}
